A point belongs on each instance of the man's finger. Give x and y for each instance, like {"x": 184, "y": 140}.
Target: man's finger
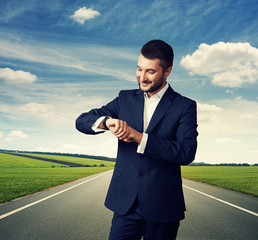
{"x": 122, "y": 134}
{"x": 117, "y": 124}
{"x": 121, "y": 128}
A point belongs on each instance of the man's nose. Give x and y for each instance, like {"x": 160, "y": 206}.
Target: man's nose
{"x": 143, "y": 76}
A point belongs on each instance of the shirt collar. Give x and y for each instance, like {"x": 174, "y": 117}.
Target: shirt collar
{"x": 158, "y": 94}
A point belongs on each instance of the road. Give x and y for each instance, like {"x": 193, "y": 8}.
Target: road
{"x": 75, "y": 211}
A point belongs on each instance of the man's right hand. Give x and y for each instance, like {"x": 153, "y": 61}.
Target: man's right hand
{"x": 118, "y": 127}
{"x": 123, "y": 131}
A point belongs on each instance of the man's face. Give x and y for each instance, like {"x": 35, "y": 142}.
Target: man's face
{"x": 150, "y": 75}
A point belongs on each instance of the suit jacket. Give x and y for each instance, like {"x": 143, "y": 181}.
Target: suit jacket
{"x": 155, "y": 175}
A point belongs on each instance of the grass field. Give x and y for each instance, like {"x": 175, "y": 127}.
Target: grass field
{"x": 83, "y": 161}
{"x": 20, "y": 176}
{"x": 243, "y": 179}
{"x": 10, "y": 161}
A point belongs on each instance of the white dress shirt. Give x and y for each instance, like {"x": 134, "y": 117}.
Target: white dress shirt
{"x": 150, "y": 105}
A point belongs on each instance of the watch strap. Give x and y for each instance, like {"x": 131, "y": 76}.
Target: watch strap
{"x": 104, "y": 122}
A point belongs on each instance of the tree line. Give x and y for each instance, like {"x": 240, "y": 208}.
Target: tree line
{"x": 222, "y": 164}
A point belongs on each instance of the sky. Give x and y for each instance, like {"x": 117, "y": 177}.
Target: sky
{"x": 60, "y": 58}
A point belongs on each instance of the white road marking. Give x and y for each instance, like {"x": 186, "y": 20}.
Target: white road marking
{"x": 230, "y": 204}
{"x": 53, "y": 195}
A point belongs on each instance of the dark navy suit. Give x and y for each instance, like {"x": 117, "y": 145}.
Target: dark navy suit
{"x": 155, "y": 175}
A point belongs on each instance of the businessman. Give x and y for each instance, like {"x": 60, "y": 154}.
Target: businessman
{"x": 156, "y": 131}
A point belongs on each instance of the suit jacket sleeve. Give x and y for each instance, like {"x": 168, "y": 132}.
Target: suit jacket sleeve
{"x": 182, "y": 149}
{"x": 85, "y": 121}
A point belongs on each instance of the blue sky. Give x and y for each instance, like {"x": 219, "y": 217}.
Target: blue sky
{"x": 61, "y": 58}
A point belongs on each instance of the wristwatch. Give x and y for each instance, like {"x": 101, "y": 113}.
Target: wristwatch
{"x": 104, "y": 122}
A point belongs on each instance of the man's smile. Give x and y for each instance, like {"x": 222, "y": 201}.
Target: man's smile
{"x": 146, "y": 83}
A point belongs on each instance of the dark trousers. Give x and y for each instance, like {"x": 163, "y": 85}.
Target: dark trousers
{"x": 132, "y": 227}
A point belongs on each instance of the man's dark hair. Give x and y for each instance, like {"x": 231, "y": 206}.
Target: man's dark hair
{"x": 161, "y": 50}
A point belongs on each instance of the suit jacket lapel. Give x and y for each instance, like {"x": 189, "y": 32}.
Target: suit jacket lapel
{"x": 161, "y": 109}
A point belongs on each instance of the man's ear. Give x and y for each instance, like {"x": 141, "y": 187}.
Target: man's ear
{"x": 167, "y": 72}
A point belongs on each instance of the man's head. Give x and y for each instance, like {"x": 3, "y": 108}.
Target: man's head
{"x": 154, "y": 66}
{"x": 158, "y": 49}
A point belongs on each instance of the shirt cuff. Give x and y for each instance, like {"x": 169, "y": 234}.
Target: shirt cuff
{"x": 95, "y": 126}
{"x": 142, "y": 145}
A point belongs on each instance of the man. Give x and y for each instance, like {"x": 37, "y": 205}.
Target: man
{"x": 156, "y": 131}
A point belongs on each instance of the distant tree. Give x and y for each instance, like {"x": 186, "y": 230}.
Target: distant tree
{"x": 199, "y": 164}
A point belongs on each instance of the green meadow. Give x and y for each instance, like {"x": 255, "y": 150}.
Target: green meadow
{"x": 10, "y": 161}
{"x": 20, "y": 176}
{"x": 78, "y": 160}
{"x": 243, "y": 179}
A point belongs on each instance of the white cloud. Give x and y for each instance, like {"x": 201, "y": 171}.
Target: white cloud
{"x": 101, "y": 145}
{"x": 210, "y": 117}
{"x": 227, "y": 131}
{"x": 202, "y": 107}
{"x": 83, "y": 14}
{"x": 10, "y": 76}
{"x": 36, "y": 109}
{"x": 60, "y": 105}
{"x": 250, "y": 116}
{"x": 228, "y": 116}
{"x": 230, "y": 91}
{"x": 226, "y": 141}
{"x": 1, "y": 134}
{"x": 86, "y": 59}
{"x": 228, "y": 64}
{"x": 16, "y": 135}
{"x": 28, "y": 111}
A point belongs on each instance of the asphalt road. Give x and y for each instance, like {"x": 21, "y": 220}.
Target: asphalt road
{"x": 75, "y": 211}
